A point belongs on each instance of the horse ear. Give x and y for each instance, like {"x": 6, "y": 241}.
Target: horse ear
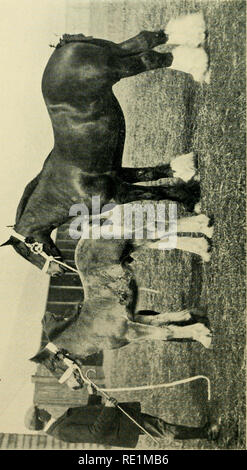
{"x": 41, "y": 356}
{"x": 8, "y": 242}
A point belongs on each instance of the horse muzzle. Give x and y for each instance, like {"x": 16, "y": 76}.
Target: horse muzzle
{"x": 55, "y": 270}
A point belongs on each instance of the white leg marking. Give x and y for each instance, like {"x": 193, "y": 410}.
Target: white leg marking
{"x": 186, "y": 29}
{"x": 202, "y": 334}
{"x": 195, "y": 223}
{"x": 197, "y": 332}
{"x": 184, "y": 167}
{"x": 199, "y": 246}
{"x": 193, "y": 60}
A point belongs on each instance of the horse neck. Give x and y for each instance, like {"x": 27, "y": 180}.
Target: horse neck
{"x": 76, "y": 338}
{"x": 28, "y": 228}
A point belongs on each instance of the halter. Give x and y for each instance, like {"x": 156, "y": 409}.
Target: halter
{"x": 38, "y": 249}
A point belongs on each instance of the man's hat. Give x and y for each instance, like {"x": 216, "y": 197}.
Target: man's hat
{"x": 32, "y": 420}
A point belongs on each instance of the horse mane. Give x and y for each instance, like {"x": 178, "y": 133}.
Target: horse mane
{"x": 66, "y": 38}
{"x": 59, "y": 325}
{"x": 28, "y": 191}
{"x": 25, "y": 197}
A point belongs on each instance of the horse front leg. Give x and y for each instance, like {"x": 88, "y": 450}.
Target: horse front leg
{"x": 195, "y": 224}
{"x": 195, "y": 332}
{"x": 182, "y": 166}
{"x": 136, "y": 175}
{"x": 198, "y": 246}
{"x": 187, "y": 194}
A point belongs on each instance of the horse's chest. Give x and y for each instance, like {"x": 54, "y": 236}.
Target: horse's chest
{"x": 117, "y": 284}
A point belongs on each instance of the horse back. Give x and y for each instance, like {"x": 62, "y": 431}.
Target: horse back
{"x": 99, "y": 254}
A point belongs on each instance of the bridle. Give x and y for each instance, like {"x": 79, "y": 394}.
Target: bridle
{"x": 38, "y": 249}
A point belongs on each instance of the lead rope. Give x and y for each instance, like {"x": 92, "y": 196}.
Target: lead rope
{"x": 165, "y": 385}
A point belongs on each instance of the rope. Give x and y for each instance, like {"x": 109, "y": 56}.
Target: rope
{"x": 164, "y": 385}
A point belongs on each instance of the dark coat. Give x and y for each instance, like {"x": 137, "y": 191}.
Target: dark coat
{"x": 95, "y": 423}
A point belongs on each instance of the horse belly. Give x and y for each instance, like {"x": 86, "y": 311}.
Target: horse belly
{"x": 90, "y": 142}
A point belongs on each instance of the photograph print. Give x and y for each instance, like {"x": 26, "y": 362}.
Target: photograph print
{"x": 122, "y": 253}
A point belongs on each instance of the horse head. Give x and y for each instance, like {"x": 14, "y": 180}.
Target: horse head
{"x": 31, "y": 248}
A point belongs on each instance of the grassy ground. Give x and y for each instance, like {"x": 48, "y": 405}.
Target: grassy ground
{"x": 167, "y": 114}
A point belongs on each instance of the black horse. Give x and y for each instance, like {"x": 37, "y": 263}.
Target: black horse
{"x": 89, "y": 134}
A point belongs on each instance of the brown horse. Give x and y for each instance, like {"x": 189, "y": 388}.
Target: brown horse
{"x": 109, "y": 317}
{"x": 89, "y": 134}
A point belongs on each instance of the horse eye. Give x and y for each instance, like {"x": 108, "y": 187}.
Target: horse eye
{"x": 29, "y": 240}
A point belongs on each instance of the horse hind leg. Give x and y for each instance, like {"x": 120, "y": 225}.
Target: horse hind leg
{"x": 195, "y": 332}
{"x": 136, "y": 175}
{"x": 190, "y": 60}
{"x": 135, "y": 64}
{"x": 184, "y": 30}
{"x": 144, "y": 41}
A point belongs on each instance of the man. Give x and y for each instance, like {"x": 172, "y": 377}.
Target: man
{"x": 107, "y": 425}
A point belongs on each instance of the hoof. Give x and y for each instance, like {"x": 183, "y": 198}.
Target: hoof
{"x": 205, "y": 226}
{"x": 183, "y": 167}
{"x": 203, "y": 335}
{"x": 192, "y": 60}
{"x": 198, "y": 208}
{"x": 187, "y": 30}
{"x": 204, "y": 249}
{"x": 206, "y": 257}
{"x": 209, "y": 231}
{"x": 213, "y": 431}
